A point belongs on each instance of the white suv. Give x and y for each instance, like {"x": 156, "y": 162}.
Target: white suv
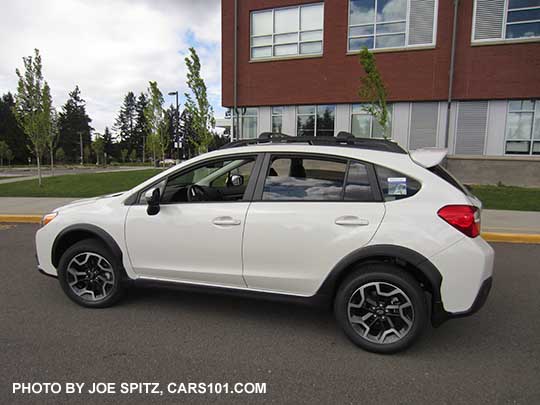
{"x": 390, "y": 238}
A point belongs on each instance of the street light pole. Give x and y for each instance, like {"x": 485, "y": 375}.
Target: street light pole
{"x": 80, "y": 142}
{"x": 175, "y": 93}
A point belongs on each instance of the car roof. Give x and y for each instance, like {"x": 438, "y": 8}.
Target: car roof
{"x": 383, "y": 158}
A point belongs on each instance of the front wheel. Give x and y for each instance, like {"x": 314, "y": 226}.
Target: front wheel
{"x": 91, "y": 275}
{"x": 381, "y": 308}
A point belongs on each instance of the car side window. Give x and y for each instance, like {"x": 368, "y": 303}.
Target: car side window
{"x": 358, "y": 187}
{"x": 396, "y": 185}
{"x": 218, "y": 180}
{"x": 309, "y": 179}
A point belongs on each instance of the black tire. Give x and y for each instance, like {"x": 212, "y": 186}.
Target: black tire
{"x": 114, "y": 272}
{"x": 363, "y": 283}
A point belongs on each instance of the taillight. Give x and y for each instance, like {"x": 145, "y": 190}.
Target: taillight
{"x": 464, "y": 218}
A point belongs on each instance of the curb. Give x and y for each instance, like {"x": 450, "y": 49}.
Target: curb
{"x": 488, "y": 236}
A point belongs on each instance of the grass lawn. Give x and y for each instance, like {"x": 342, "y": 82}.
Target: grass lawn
{"x": 507, "y": 197}
{"x": 77, "y": 185}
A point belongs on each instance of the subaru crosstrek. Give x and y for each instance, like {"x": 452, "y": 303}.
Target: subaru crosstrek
{"x": 390, "y": 238}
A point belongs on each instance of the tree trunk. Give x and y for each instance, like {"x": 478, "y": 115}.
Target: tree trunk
{"x": 52, "y": 162}
{"x": 143, "y": 146}
{"x": 38, "y": 167}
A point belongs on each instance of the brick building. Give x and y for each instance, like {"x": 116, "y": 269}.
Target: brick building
{"x": 292, "y": 67}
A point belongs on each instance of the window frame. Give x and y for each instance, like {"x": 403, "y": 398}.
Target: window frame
{"x": 269, "y": 157}
{"x": 531, "y": 140}
{"x": 502, "y": 38}
{"x": 135, "y": 198}
{"x": 241, "y": 116}
{"x": 296, "y": 114}
{"x": 389, "y": 106}
{"x": 406, "y": 46}
{"x": 299, "y": 32}
{"x": 273, "y": 114}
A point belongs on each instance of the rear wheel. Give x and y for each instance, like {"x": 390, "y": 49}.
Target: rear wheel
{"x": 381, "y": 308}
{"x": 91, "y": 275}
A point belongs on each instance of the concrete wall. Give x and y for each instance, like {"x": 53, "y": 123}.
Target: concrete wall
{"x": 510, "y": 171}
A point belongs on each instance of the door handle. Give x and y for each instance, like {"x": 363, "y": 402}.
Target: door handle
{"x": 351, "y": 220}
{"x": 226, "y": 221}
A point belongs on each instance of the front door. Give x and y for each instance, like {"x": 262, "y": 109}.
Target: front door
{"x": 197, "y": 235}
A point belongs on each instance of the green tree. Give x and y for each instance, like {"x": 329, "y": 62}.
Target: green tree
{"x": 98, "y": 146}
{"x": 126, "y": 122}
{"x": 10, "y": 130}
{"x": 155, "y": 116}
{"x": 152, "y": 145}
{"x": 29, "y": 105}
{"x": 9, "y": 156}
{"x": 3, "y": 152}
{"x": 60, "y": 155}
{"x": 49, "y": 124}
{"x": 372, "y": 90}
{"x": 141, "y": 124}
{"x": 133, "y": 155}
{"x": 124, "y": 155}
{"x": 200, "y": 110}
{"x": 74, "y": 126}
{"x": 108, "y": 146}
{"x": 87, "y": 152}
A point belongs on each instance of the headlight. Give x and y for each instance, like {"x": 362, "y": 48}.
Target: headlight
{"x": 48, "y": 218}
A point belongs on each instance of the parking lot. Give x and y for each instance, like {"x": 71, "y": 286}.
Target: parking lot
{"x": 167, "y": 336}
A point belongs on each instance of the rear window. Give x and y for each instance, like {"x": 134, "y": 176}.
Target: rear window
{"x": 449, "y": 178}
{"x": 396, "y": 185}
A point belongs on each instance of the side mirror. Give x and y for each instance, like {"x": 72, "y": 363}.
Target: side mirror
{"x": 236, "y": 180}
{"x": 152, "y": 198}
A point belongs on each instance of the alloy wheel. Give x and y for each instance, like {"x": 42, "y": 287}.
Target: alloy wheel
{"x": 90, "y": 276}
{"x": 380, "y": 312}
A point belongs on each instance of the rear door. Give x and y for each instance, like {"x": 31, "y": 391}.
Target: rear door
{"x": 309, "y": 211}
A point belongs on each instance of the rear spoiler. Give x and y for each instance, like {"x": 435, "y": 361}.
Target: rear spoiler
{"x": 428, "y": 157}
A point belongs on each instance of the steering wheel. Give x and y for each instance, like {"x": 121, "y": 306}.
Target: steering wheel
{"x": 196, "y": 193}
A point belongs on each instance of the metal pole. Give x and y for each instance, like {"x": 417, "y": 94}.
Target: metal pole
{"x": 80, "y": 142}
{"x": 235, "y": 78}
{"x": 451, "y": 74}
{"x": 177, "y": 128}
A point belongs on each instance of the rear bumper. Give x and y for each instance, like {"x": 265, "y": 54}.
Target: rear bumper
{"x": 439, "y": 315}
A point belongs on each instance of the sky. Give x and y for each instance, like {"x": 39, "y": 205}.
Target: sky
{"x": 110, "y": 47}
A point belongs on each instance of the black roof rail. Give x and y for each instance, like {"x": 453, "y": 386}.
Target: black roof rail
{"x": 343, "y": 138}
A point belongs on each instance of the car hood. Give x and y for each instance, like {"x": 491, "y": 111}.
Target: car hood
{"x": 86, "y": 201}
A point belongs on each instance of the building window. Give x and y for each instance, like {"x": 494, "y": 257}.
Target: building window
{"x": 506, "y": 20}
{"x": 277, "y": 120}
{"x": 247, "y": 121}
{"x": 380, "y": 24}
{"x": 364, "y": 125}
{"x": 523, "y": 19}
{"x": 287, "y": 31}
{"x": 523, "y": 127}
{"x": 315, "y": 120}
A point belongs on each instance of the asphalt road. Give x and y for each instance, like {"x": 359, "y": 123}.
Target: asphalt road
{"x": 173, "y": 336}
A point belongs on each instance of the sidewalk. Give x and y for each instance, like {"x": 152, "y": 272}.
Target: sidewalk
{"x": 497, "y": 225}
{"x": 31, "y": 205}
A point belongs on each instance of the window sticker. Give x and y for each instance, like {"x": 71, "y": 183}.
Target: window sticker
{"x": 397, "y": 186}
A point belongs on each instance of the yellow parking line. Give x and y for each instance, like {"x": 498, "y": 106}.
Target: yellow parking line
{"x": 29, "y": 219}
{"x": 511, "y": 237}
